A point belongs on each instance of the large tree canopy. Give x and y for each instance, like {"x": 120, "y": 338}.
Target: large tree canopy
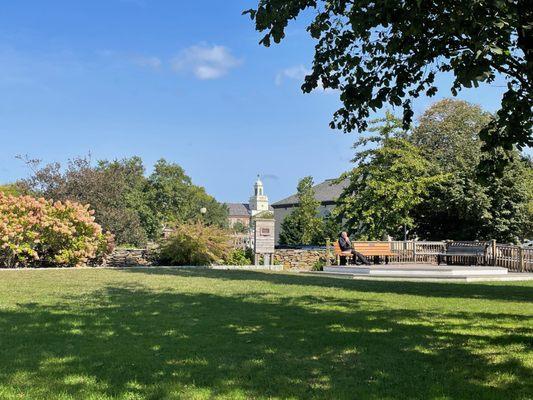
{"x": 389, "y": 181}
{"x": 448, "y": 134}
{"x": 464, "y": 206}
{"x": 388, "y": 51}
{"x": 428, "y": 180}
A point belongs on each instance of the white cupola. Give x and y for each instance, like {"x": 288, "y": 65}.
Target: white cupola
{"x": 258, "y": 201}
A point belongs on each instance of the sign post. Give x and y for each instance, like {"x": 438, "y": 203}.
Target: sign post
{"x": 264, "y": 240}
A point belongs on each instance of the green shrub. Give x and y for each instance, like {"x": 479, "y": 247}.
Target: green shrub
{"x": 43, "y": 233}
{"x": 240, "y": 257}
{"x": 195, "y": 244}
{"x": 318, "y": 265}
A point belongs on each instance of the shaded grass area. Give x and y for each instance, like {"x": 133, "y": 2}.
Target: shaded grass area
{"x": 174, "y": 334}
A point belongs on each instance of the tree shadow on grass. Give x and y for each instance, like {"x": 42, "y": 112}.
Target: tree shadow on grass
{"x": 131, "y": 341}
{"x": 509, "y": 291}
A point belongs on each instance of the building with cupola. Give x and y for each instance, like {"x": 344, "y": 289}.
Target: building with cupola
{"x": 242, "y": 213}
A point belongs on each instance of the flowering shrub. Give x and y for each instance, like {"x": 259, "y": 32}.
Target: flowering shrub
{"x": 43, "y": 233}
{"x": 195, "y": 244}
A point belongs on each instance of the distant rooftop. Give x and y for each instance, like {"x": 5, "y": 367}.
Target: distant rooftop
{"x": 326, "y": 192}
{"x": 240, "y": 209}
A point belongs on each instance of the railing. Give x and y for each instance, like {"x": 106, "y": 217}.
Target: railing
{"x": 240, "y": 240}
{"x": 416, "y": 252}
{"x": 514, "y": 258}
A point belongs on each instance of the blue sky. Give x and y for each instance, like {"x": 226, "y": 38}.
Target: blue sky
{"x": 183, "y": 80}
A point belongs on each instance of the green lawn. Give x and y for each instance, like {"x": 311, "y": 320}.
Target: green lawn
{"x": 168, "y": 334}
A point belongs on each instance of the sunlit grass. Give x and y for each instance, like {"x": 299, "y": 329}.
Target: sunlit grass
{"x": 168, "y": 334}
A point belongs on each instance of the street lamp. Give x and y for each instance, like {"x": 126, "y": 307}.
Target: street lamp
{"x": 201, "y": 218}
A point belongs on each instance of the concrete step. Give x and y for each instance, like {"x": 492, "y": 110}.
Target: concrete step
{"x": 428, "y": 278}
{"x": 416, "y": 270}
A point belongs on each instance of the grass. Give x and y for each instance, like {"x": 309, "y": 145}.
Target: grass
{"x": 169, "y": 334}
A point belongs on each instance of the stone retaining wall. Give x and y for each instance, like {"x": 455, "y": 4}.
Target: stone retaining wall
{"x": 121, "y": 258}
{"x": 296, "y": 259}
{"x": 299, "y": 259}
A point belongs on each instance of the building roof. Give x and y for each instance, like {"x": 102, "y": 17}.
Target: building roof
{"x": 326, "y": 192}
{"x": 238, "y": 209}
{"x": 241, "y": 209}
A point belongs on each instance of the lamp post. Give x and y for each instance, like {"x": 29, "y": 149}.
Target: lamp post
{"x": 203, "y": 211}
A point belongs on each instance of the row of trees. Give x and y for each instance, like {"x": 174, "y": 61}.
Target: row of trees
{"x": 427, "y": 182}
{"x": 131, "y": 205}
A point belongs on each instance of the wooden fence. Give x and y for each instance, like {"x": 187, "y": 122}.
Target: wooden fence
{"x": 514, "y": 258}
{"x": 416, "y": 252}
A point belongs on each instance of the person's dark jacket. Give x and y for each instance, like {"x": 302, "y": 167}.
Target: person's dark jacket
{"x": 344, "y": 244}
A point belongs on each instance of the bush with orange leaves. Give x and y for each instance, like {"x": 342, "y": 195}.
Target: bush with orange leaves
{"x": 43, "y": 233}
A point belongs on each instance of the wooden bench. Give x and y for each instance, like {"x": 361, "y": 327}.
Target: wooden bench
{"x": 367, "y": 249}
{"x": 376, "y": 250}
{"x": 461, "y": 254}
{"x": 339, "y": 253}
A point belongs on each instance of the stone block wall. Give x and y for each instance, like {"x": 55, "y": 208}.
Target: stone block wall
{"x": 299, "y": 259}
{"x": 290, "y": 259}
{"x": 121, "y": 258}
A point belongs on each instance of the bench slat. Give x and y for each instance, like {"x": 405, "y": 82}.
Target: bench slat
{"x": 373, "y": 249}
{"x": 367, "y": 249}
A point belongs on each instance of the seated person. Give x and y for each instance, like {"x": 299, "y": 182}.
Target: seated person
{"x": 346, "y": 247}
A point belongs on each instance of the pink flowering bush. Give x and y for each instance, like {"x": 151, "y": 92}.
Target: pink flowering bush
{"x": 43, "y": 233}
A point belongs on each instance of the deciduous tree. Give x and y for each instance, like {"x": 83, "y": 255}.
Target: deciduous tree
{"x": 175, "y": 199}
{"x": 469, "y": 204}
{"x": 388, "y": 182}
{"x": 112, "y": 189}
{"x": 303, "y": 226}
{"x": 390, "y": 52}
{"x": 135, "y": 208}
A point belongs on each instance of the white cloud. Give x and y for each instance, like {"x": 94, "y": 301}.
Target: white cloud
{"x": 298, "y": 73}
{"x": 295, "y": 73}
{"x": 147, "y": 62}
{"x": 206, "y": 62}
